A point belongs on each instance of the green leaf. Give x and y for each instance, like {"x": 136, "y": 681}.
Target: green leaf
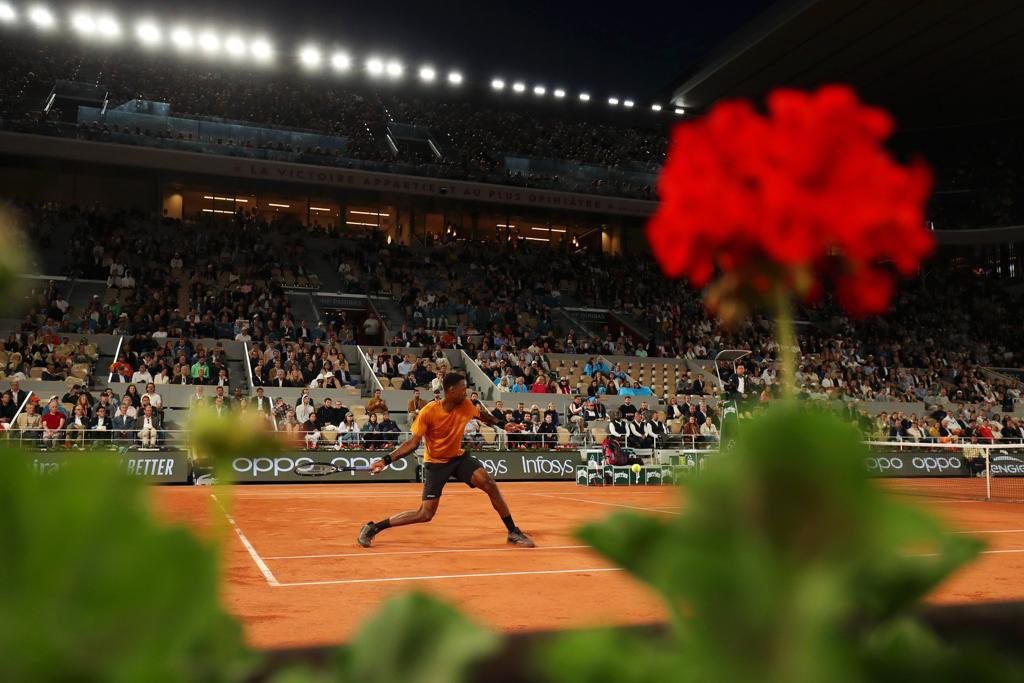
{"x": 784, "y": 566}
{"x": 93, "y": 589}
{"x": 415, "y": 639}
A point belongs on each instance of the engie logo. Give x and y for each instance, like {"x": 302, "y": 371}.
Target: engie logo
{"x": 1007, "y": 464}
{"x": 283, "y": 465}
{"x": 884, "y": 464}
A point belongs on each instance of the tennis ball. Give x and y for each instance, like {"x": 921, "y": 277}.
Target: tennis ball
{"x": 636, "y": 468}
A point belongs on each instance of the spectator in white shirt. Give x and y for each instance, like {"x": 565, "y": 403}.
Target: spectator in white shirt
{"x": 708, "y": 430}
{"x": 142, "y": 375}
{"x": 304, "y": 409}
{"x": 154, "y": 398}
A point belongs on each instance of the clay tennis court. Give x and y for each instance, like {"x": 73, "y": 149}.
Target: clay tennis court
{"x": 295, "y": 577}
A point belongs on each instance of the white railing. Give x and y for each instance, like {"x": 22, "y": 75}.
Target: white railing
{"x": 117, "y": 357}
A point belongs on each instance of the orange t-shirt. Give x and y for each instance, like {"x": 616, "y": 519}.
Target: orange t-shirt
{"x": 443, "y": 430}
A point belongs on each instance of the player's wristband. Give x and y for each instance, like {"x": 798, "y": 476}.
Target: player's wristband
{"x": 387, "y": 459}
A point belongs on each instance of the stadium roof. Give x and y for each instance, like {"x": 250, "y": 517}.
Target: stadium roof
{"x": 930, "y": 61}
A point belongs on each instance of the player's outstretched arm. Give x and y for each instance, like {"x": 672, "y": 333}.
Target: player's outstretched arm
{"x": 404, "y": 449}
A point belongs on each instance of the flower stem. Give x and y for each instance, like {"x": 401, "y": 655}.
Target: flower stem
{"x": 786, "y": 335}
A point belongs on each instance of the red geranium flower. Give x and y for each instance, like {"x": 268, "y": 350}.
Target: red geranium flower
{"x": 802, "y": 197}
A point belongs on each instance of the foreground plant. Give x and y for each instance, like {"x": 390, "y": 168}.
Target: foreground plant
{"x": 788, "y": 564}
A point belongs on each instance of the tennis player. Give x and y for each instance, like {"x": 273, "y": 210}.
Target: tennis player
{"x": 442, "y": 423}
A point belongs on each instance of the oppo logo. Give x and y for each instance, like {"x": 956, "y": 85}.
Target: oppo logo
{"x": 884, "y": 464}
{"x": 276, "y": 467}
{"x": 937, "y": 464}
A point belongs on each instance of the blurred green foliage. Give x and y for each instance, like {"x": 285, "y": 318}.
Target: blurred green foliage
{"x": 787, "y": 565}
{"x": 93, "y": 589}
{"x": 413, "y": 639}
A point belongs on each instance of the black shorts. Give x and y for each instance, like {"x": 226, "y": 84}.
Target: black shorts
{"x": 437, "y": 474}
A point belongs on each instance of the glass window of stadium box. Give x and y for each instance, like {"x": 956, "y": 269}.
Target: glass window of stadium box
{"x": 209, "y": 202}
{"x": 282, "y": 207}
{"x": 363, "y": 217}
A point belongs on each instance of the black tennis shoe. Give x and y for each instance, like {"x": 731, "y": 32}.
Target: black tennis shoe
{"x": 517, "y": 537}
{"x": 367, "y": 533}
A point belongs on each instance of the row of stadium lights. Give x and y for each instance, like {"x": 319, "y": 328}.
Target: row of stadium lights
{"x": 106, "y": 27}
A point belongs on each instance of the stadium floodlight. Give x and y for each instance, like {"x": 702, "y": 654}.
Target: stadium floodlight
{"x": 83, "y": 23}
{"x": 498, "y": 84}
{"x": 559, "y": 93}
{"x": 235, "y": 46}
{"x": 310, "y": 56}
{"x": 628, "y": 103}
{"x": 148, "y": 33}
{"x": 375, "y": 66}
{"x": 427, "y": 74}
{"x": 41, "y": 17}
{"x": 395, "y": 68}
{"x": 182, "y": 38}
{"x": 8, "y": 14}
{"x": 614, "y": 101}
{"x": 539, "y": 90}
{"x": 209, "y": 42}
{"x": 584, "y": 97}
{"x": 455, "y": 78}
{"x": 655, "y": 107}
{"x": 341, "y": 61}
{"x": 680, "y": 111}
{"x": 261, "y": 50}
{"x": 519, "y": 87}
{"x": 108, "y": 27}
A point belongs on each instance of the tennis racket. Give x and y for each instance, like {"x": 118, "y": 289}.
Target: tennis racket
{"x": 322, "y": 469}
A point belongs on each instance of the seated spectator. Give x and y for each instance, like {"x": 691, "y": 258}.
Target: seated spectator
{"x": 348, "y": 432}
{"x": 499, "y": 414}
{"x": 310, "y": 431}
{"x": 472, "y": 435}
{"x": 409, "y": 383}
{"x": 30, "y": 421}
{"x": 552, "y": 412}
{"x": 414, "y": 406}
{"x": 304, "y": 409}
{"x": 53, "y": 423}
{"x": 575, "y": 413}
{"x": 637, "y": 432}
{"x": 564, "y": 388}
{"x": 627, "y": 410}
{"x": 548, "y": 431}
{"x": 388, "y": 432}
{"x": 148, "y": 426}
{"x": 708, "y": 430}
{"x": 520, "y": 386}
{"x": 691, "y": 431}
{"x": 540, "y": 386}
{"x": 76, "y": 428}
{"x": 377, "y": 404}
{"x": 8, "y": 410}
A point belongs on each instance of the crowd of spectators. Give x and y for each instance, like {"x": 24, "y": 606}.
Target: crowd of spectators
{"x": 474, "y": 134}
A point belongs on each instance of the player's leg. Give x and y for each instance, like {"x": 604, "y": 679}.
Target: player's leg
{"x": 481, "y": 479}
{"x": 435, "y": 476}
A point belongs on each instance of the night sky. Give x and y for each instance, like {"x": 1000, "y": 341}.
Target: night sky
{"x": 636, "y": 49}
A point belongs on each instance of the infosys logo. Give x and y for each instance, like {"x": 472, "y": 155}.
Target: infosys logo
{"x": 542, "y": 465}
{"x": 283, "y": 465}
{"x": 494, "y": 468}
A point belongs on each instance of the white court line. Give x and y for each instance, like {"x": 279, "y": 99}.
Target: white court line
{"x": 991, "y": 531}
{"x": 399, "y": 494}
{"x": 267, "y": 574}
{"x": 983, "y": 552}
{"x": 452, "y": 576}
{"x": 615, "y": 505}
{"x": 428, "y": 552}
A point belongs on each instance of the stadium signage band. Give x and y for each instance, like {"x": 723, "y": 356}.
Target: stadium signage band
{"x": 109, "y": 153}
{"x": 507, "y": 465}
{"x": 942, "y": 465}
{"x": 163, "y": 467}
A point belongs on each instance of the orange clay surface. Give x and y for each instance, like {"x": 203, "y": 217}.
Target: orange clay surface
{"x": 294, "y": 575}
